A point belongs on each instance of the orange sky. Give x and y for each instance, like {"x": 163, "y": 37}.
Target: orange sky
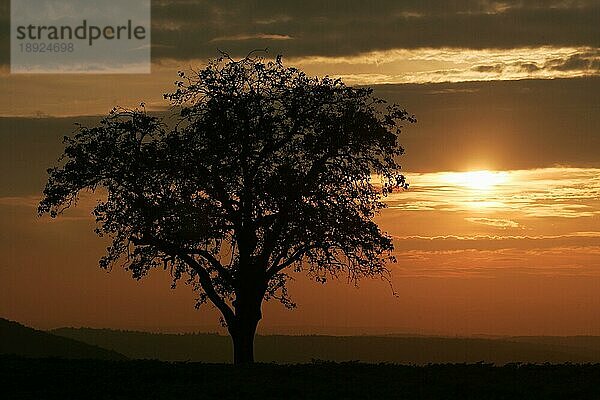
{"x": 511, "y": 252}
{"x": 498, "y": 234}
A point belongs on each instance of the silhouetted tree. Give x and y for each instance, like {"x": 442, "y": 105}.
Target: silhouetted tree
{"x": 263, "y": 171}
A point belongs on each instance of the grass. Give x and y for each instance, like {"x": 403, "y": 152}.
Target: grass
{"x": 22, "y": 378}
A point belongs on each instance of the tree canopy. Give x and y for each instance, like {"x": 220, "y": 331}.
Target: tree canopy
{"x": 259, "y": 171}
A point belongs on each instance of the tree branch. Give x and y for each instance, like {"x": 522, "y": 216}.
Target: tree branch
{"x": 295, "y": 257}
{"x": 203, "y": 275}
{"x": 208, "y": 287}
{"x": 215, "y": 264}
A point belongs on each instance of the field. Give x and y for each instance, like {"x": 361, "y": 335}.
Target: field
{"x": 106, "y": 364}
{"x": 23, "y": 378}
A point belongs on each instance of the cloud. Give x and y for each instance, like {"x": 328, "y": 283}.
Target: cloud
{"x": 496, "y": 242}
{"x": 428, "y": 65}
{"x": 474, "y": 263}
{"x": 489, "y": 68}
{"x": 187, "y": 30}
{"x": 576, "y": 254}
{"x": 351, "y": 27}
{"x": 577, "y": 62}
{"x": 385, "y": 43}
{"x": 265, "y": 36}
{"x": 495, "y": 222}
{"x": 528, "y": 67}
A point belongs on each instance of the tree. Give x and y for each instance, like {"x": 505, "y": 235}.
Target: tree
{"x": 260, "y": 171}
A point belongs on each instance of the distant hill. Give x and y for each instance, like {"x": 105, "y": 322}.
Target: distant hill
{"x": 299, "y": 349}
{"x": 584, "y": 345}
{"x": 585, "y": 342}
{"x": 20, "y": 340}
{"x": 167, "y": 347}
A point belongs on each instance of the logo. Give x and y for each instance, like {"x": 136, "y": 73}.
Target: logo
{"x": 80, "y": 36}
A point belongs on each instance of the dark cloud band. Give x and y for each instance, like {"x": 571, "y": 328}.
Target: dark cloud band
{"x": 184, "y": 29}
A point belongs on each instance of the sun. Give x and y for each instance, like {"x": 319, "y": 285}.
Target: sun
{"x": 478, "y": 180}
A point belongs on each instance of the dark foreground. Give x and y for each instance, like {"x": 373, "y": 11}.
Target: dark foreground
{"x": 23, "y": 378}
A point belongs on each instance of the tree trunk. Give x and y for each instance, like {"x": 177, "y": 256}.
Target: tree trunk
{"x": 247, "y": 315}
{"x": 243, "y": 341}
{"x": 247, "y": 304}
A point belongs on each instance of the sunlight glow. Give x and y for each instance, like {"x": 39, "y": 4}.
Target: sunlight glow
{"x": 507, "y": 195}
{"x": 477, "y": 180}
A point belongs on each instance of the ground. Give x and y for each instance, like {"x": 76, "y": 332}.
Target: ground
{"x": 23, "y": 378}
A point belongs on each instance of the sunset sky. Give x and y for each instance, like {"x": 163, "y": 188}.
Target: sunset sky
{"x": 499, "y": 233}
